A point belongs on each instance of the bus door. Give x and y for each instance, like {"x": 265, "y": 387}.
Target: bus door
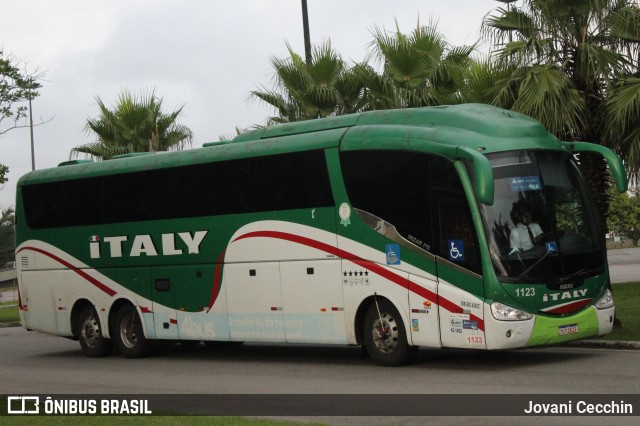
{"x": 460, "y": 286}
{"x": 254, "y": 302}
{"x": 390, "y": 212}
{"x": 312, "y": 301}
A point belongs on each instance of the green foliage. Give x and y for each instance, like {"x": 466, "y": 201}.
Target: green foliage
{"x": 156, "y": 420}
{"x": 7, "y": 236}
{"x": 136, "y": 124}
{"x": 9, "y": 313}
{"x": 624, "y": 215}
{"x": 416, "y": 69}
{"x": 419, "y": 68}
{"x": 3, "y": 173}
{"x": 16, "y": 86}
{"x": 304, "y": 91}
{"x": 574, "y": 68}
{"x": 623, "y": 114}
{"x": 627, "y": 299}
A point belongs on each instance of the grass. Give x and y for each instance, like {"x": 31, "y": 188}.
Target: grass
{"x": 9, "y": 310}
{"x": 135, "y": 420}
{"x": 627, "y": 299}
{"x": 10, "y": 314}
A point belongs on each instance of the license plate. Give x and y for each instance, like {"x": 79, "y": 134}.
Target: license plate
{"x": 563, "y": 330}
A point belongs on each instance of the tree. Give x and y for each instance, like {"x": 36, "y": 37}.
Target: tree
{"x": 418, "y": 69}
{"x": 7, "y": 239}
{"x": 569, "y": 58}
{"x": 625, "y": 215}
{"x": 3, "y": 173}
{"x": 136, "y": 124}
{"x": 323, "y": 87}
{"x": 16, "y": 87}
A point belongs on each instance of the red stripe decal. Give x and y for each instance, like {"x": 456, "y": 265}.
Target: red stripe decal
{"x": 80, "y": 272}
{"x": 371, "y": 266}
{"x": 216, "y": 281}
{"x": 567, "y": 308}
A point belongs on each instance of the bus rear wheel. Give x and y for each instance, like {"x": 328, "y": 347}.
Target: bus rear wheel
{"x": 92, "y": 341}
{"x": 129, "y": 335}
{"x": 385, "y": 337}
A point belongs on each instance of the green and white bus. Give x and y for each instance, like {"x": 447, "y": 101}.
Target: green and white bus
{"x": 387, "y": 229}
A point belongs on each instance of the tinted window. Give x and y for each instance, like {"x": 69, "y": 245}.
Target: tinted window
{"x": 394, "y": 186}
{"x": 279, "y": 182}
{"x": 420, "y": 195}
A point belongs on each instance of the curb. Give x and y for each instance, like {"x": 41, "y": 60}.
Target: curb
{"x": 604, "y": 344}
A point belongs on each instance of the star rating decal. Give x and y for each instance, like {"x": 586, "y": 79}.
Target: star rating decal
{"x": 355, "y": 278}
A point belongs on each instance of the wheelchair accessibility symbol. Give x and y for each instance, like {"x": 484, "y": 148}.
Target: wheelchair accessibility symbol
{"x": 456, "y": 250}
{"x": 393, "y": 254}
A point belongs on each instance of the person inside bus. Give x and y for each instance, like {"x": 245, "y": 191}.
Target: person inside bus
{"x": 527, "y": 234}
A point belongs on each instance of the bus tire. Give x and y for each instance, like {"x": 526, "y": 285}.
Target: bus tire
{"x": 128, "y": 333}
{"x": 385, "y": 337}
{"x": 92, "y": 341}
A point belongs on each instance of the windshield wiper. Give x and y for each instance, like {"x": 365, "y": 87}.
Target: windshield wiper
{"x": 577, "y": 274}
{"x": 537, "y": 262}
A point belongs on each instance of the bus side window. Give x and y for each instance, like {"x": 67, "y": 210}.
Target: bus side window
{"x": 392, "y": 186}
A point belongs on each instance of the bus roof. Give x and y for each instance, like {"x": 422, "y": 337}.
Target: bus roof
{"x": 442, "y": 130}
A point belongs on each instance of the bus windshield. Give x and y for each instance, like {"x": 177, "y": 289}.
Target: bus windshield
{"x": 541, "y": 227}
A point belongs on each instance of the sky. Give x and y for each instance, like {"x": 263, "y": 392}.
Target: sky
{"x": 205, "y": 55}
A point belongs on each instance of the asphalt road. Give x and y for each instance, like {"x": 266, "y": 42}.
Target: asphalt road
{"x": 34, "y": 363}
{"x": 624, "y": 265}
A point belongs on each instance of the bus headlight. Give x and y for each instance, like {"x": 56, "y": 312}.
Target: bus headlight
{"x": 606, "y": 301}
{"x": 503, "y": 312}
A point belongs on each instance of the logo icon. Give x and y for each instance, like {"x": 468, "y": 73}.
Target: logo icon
{"x": 345, "y": 214}
{"x": 23, "y": 405}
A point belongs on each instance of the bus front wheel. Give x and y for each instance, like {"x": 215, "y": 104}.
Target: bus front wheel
{"x": 129, "y": 335}
{"x": 385, "y": 337}
{"x": 92, "y": 342}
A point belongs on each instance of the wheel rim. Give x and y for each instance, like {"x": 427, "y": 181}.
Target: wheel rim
{"x": 129, "y": 331}
{"x": 385, "y": 333}
{"x": 90, "y": 332}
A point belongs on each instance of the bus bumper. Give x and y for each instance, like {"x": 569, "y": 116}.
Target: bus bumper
{"x": 542, "y": 330}
{"x": 587, "y": 323}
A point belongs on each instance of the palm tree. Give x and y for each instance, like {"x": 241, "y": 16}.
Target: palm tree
{"x": 136, "y": 124}
{"x": 566, "y": 59}
{"x": 622, "y": 110}
{"x": 418, "y": 69}
{"x": 302, "y": 91}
